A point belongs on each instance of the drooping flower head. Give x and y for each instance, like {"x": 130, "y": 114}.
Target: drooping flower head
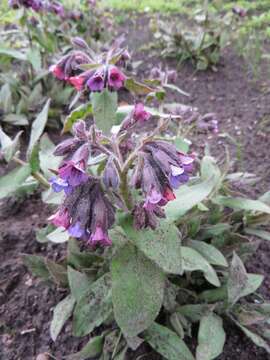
{"x": 116, "y": 78}
{"x": 86, "y": 213}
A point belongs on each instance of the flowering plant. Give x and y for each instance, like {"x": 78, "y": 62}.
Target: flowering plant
{"x": 152, "y": 241}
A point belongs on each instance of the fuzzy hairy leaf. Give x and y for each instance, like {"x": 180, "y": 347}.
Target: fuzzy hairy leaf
{"x": 104, "y": 109}
{"x": 258, "y": 340}
{"x": 94, "y": 307}
{"x": 79, "y": 283}
{"x": 237, "y": 280}
{"x": 242, "y": 204}
{"x": 46, "y": 157}
{"x": 61, "y": 313}
{"x": 8, "y": 146}
{"x": 37, "y": 265}
{"x": 162, "y": 245}
{"x": 211, "y": 337}
{"x": 92, "y": 349}
{"x": 13, "y": 180}
{"x": 38, "y": 126}
{"x": 265, "y": 235}
{"x": 80, "y": 113}
{"x": 167, "y": 343}
{"x": 192, "y": 261}
{"x": 137, "y": 290}
{"x": 209, "y": 252}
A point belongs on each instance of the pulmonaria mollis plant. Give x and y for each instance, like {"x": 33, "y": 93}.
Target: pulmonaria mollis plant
{"x": 154, "y": 246}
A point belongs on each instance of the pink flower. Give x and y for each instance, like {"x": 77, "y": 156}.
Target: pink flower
{"x": 60, "y": 218}
{"x": 116, "y": 78}
{"x": 99, "y": 236}
{"x": 96, "y": 82}
{"x": 57, "y": 72}
{"x": 77, "y": 82}
{"x": 140, "y": 114}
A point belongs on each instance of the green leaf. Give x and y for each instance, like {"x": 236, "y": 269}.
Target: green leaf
{"x": 211, "y": 337}
{"x": 37, "y": 265}
{"x": 94, "y": 307}
{"x": 189, "y": 196}
{"x": 192, "y": 261}
{"x": 237, "y": 280}
{"x": 38, "y": 126}
{"x": 61, "y": 313}
{"x": 194, "y": 312}
{"x": 104, "y": 109}
{"x": 242, "y": 204}
{"x": 16, "y": 119}
{"x": 13, "y": 180}
{"x": 81, "y": 260}
{"x": 258, "y": 340}
{"x": 265, "y": 235}
{"x": 254, "y": 281}
{"x": 58, "y": 236}
{"x": 209, "y": 252}
{"x": 58, "y": 273}
{"x": 80, "y": 113}
{"x": 79, "y": 283}
{"x": 41, "y": 234}
{"x": 6, "y": 98}
{"x": 8, "y": 146}
{"x": 46, "y": 157}
{"x": 15, "y": 54}
{"x": 215, "y": 230}
{"x": 137, "y": 290}
{"x": 167, "y": 343}
{"x": 91, "y": 350}
{"x": 176, "y": 88}
{"x": 162, "y": 245}
{"x": 137, "y": 87}
{"x": 34, "y": 57}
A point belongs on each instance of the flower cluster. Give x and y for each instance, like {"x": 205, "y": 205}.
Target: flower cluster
{"x": 160, "y": 169}
{"x": 39, "y": 5}
{"x": 167, "y": 76}
{"x": 156, "y": 168}
{"x": 103, "y": 71}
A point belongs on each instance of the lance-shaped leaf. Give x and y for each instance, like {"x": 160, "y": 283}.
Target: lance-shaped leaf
{"x": 237, "y": 280}
{"x": 38, "y": 127}
{"x": 189, "y": 196}
{"x": 104, "y": 109}
{"x": 94, "y": 307}
{"x": 137, "y": 87}
{"x": 242, "y": 204}
{"x": 265, "y": 235}
{"x": 192, "y": 261}
{"x": 80, "y": 113}
{"x": 209, "y": 252}
{"x": 61, "y": 313}
{"x": 162, "y": 245}
{"x": 46, "y": 157}
{"x": 137, "y": 290}
{"x": 8, "y": 146}
{"x": 211, "y": 337}
{"x": 79, "y": 283}
{"x": 92, "y": 349}
{"x": 13, "y": 180}
{"x": 258, "y": 340}
{"x": 37, "y": 265}
{"x": 15, "y": 54}
{"x": 167, "y": 343}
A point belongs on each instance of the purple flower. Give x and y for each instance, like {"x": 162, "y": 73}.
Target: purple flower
{"x": 60, "y": 218}
{"x": 116, "y": 78}
{"x": 73, "y": 174}
{"x": 76, "y": 230}
{"x": 59, "y": 184}
{"x": 96, "y": 82}
{"x": 99, "y": 237}
{"x": 110, "y": 175}
{"x": 146, "y": 217}
{"x": 87, "y": 213}
{"x": 140, "y": 114}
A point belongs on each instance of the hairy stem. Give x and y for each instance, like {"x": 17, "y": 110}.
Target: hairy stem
{"x": 36, "y": 174}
